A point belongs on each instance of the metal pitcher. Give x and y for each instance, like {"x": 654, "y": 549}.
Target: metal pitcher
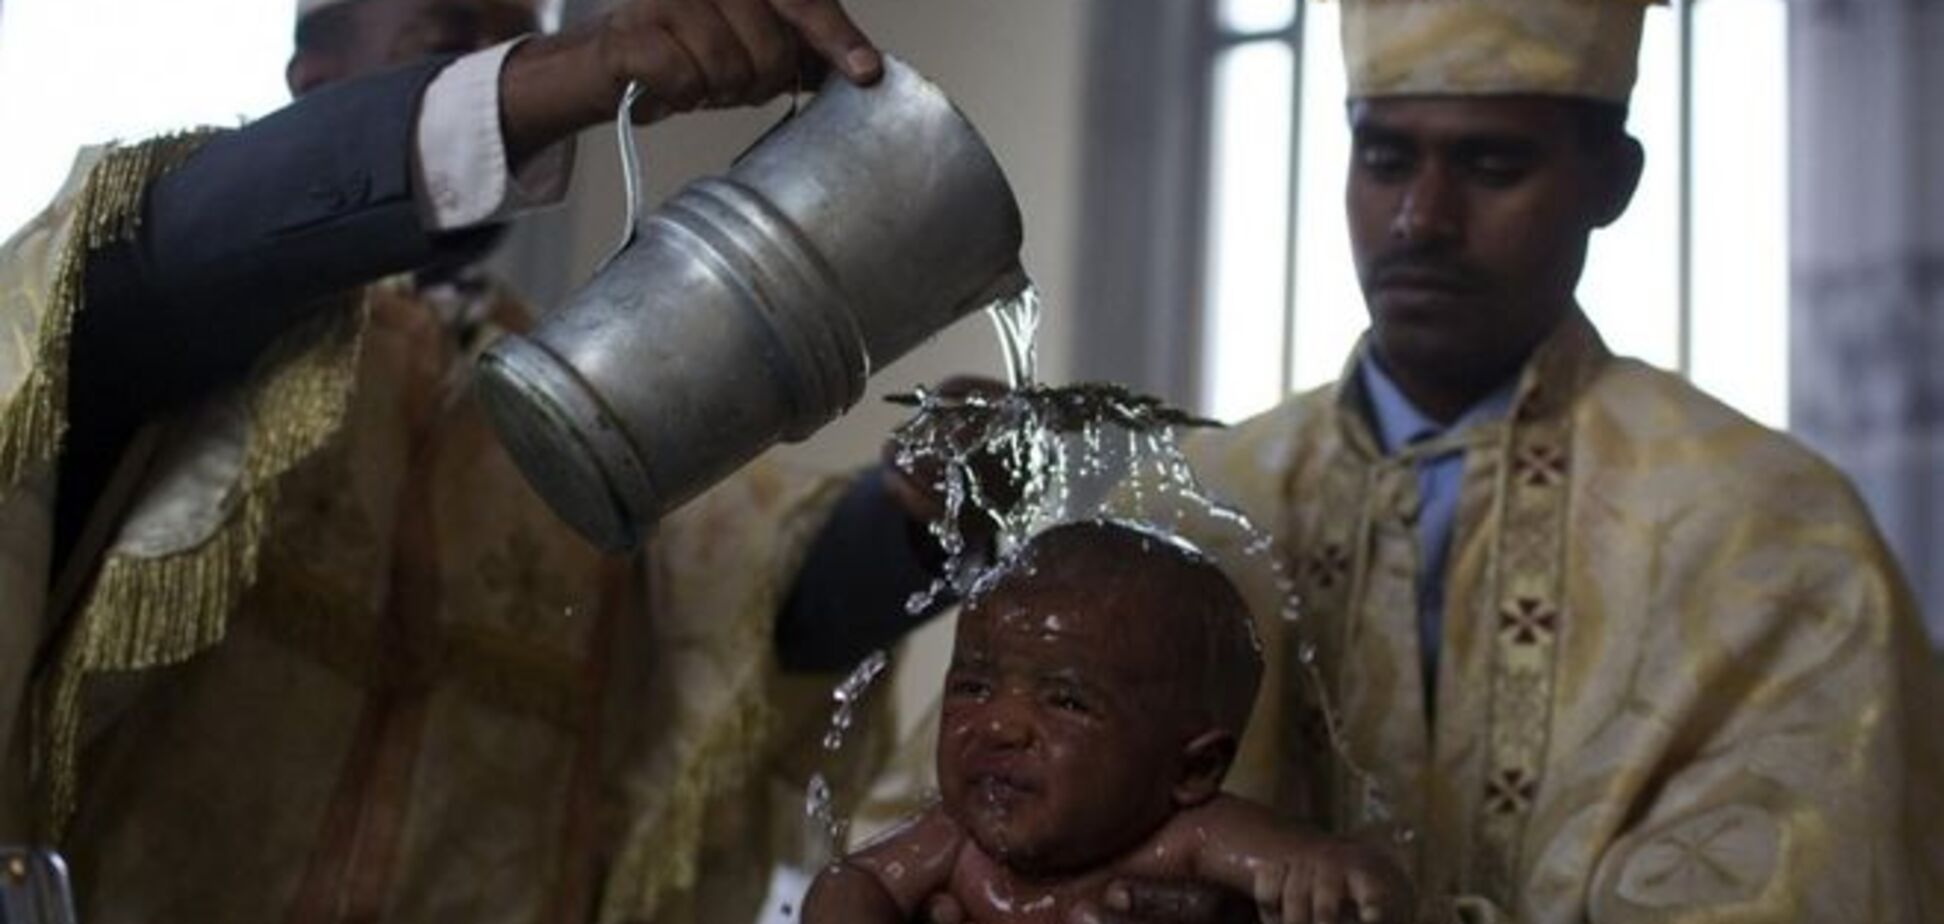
{"x": 752, "y": 307}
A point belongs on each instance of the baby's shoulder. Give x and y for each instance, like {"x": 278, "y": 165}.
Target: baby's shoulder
{"x": 1169, "y": 853}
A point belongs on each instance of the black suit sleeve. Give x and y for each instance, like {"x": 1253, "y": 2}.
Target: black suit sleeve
{"x": 313, "y": 199}
{"x": 233, "y": 249}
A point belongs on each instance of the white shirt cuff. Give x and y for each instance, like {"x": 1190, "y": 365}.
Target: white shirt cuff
{"x": 462, "y": 153}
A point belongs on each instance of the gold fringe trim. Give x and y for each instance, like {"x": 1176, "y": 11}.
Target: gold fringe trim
{"x": 150, "y": 612}
{"x": 146, "y": 612}
{"x": 107, "y": 210}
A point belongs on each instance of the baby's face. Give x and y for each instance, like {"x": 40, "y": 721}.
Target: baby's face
{"x": 1061, "y": 739}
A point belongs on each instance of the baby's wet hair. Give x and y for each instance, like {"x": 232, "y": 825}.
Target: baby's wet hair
{"x": 1091, "y": 557}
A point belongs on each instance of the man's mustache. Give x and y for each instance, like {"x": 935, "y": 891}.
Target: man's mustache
{"x": 1425, "y": 269}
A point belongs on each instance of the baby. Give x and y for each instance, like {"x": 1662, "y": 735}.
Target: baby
{"x": 1098, "y": 687}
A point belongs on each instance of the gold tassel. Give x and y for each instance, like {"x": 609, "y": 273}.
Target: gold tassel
{"x": 149, "y": 612}
{"x": 107, "y": 210}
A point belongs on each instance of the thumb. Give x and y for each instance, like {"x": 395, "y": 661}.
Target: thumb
{"x": 828, "y": 29}
{"x": 944, "y": 909}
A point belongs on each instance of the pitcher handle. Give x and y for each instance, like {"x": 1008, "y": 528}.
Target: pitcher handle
{"x": 633, "y": 187}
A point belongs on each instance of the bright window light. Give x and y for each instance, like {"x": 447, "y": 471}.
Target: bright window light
{"x": 1631, "y": 287}
{"x": 1741, "y": 213}
{"x": 1249, "y": 16}
{"x": 1248, "y": 229}
{"x": 78, "y": 72}
{"x": 1329, "y": 304}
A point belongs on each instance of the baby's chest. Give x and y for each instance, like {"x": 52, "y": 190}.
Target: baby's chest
{"x": 990, "y": 893}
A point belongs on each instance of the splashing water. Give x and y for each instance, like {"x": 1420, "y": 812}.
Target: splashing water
{"x": 820, "y": 807}
{"x": 849, "y": 693}
{"x": 820, "y": 804}
{"x": 1012, "y": 464}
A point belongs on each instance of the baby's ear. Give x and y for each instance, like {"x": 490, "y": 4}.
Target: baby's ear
{"x": 1204, "y": 761}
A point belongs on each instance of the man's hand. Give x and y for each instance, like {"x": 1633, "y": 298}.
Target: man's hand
{"x": 1156, "y": 901}
{"x": 1336, "y": 881}
{"x": 687, "y": 54}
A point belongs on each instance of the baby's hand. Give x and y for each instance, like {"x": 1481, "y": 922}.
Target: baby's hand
{"x": 1330, "y": 880}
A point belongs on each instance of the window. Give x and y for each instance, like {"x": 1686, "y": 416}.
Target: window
{"x": 1694, "y": 278}
{"x": 78, "y": 72}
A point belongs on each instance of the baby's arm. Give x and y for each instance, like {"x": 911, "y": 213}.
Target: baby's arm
{"x": 889, "y": 880}
{"x": 1297, "y": 876}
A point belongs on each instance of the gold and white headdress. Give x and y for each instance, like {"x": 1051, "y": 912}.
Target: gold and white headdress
{"x": 1579, "y": 48}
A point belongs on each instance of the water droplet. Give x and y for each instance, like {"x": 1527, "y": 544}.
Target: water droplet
{"x": 819, "y": 800}
{"x": 848, "y": 694}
